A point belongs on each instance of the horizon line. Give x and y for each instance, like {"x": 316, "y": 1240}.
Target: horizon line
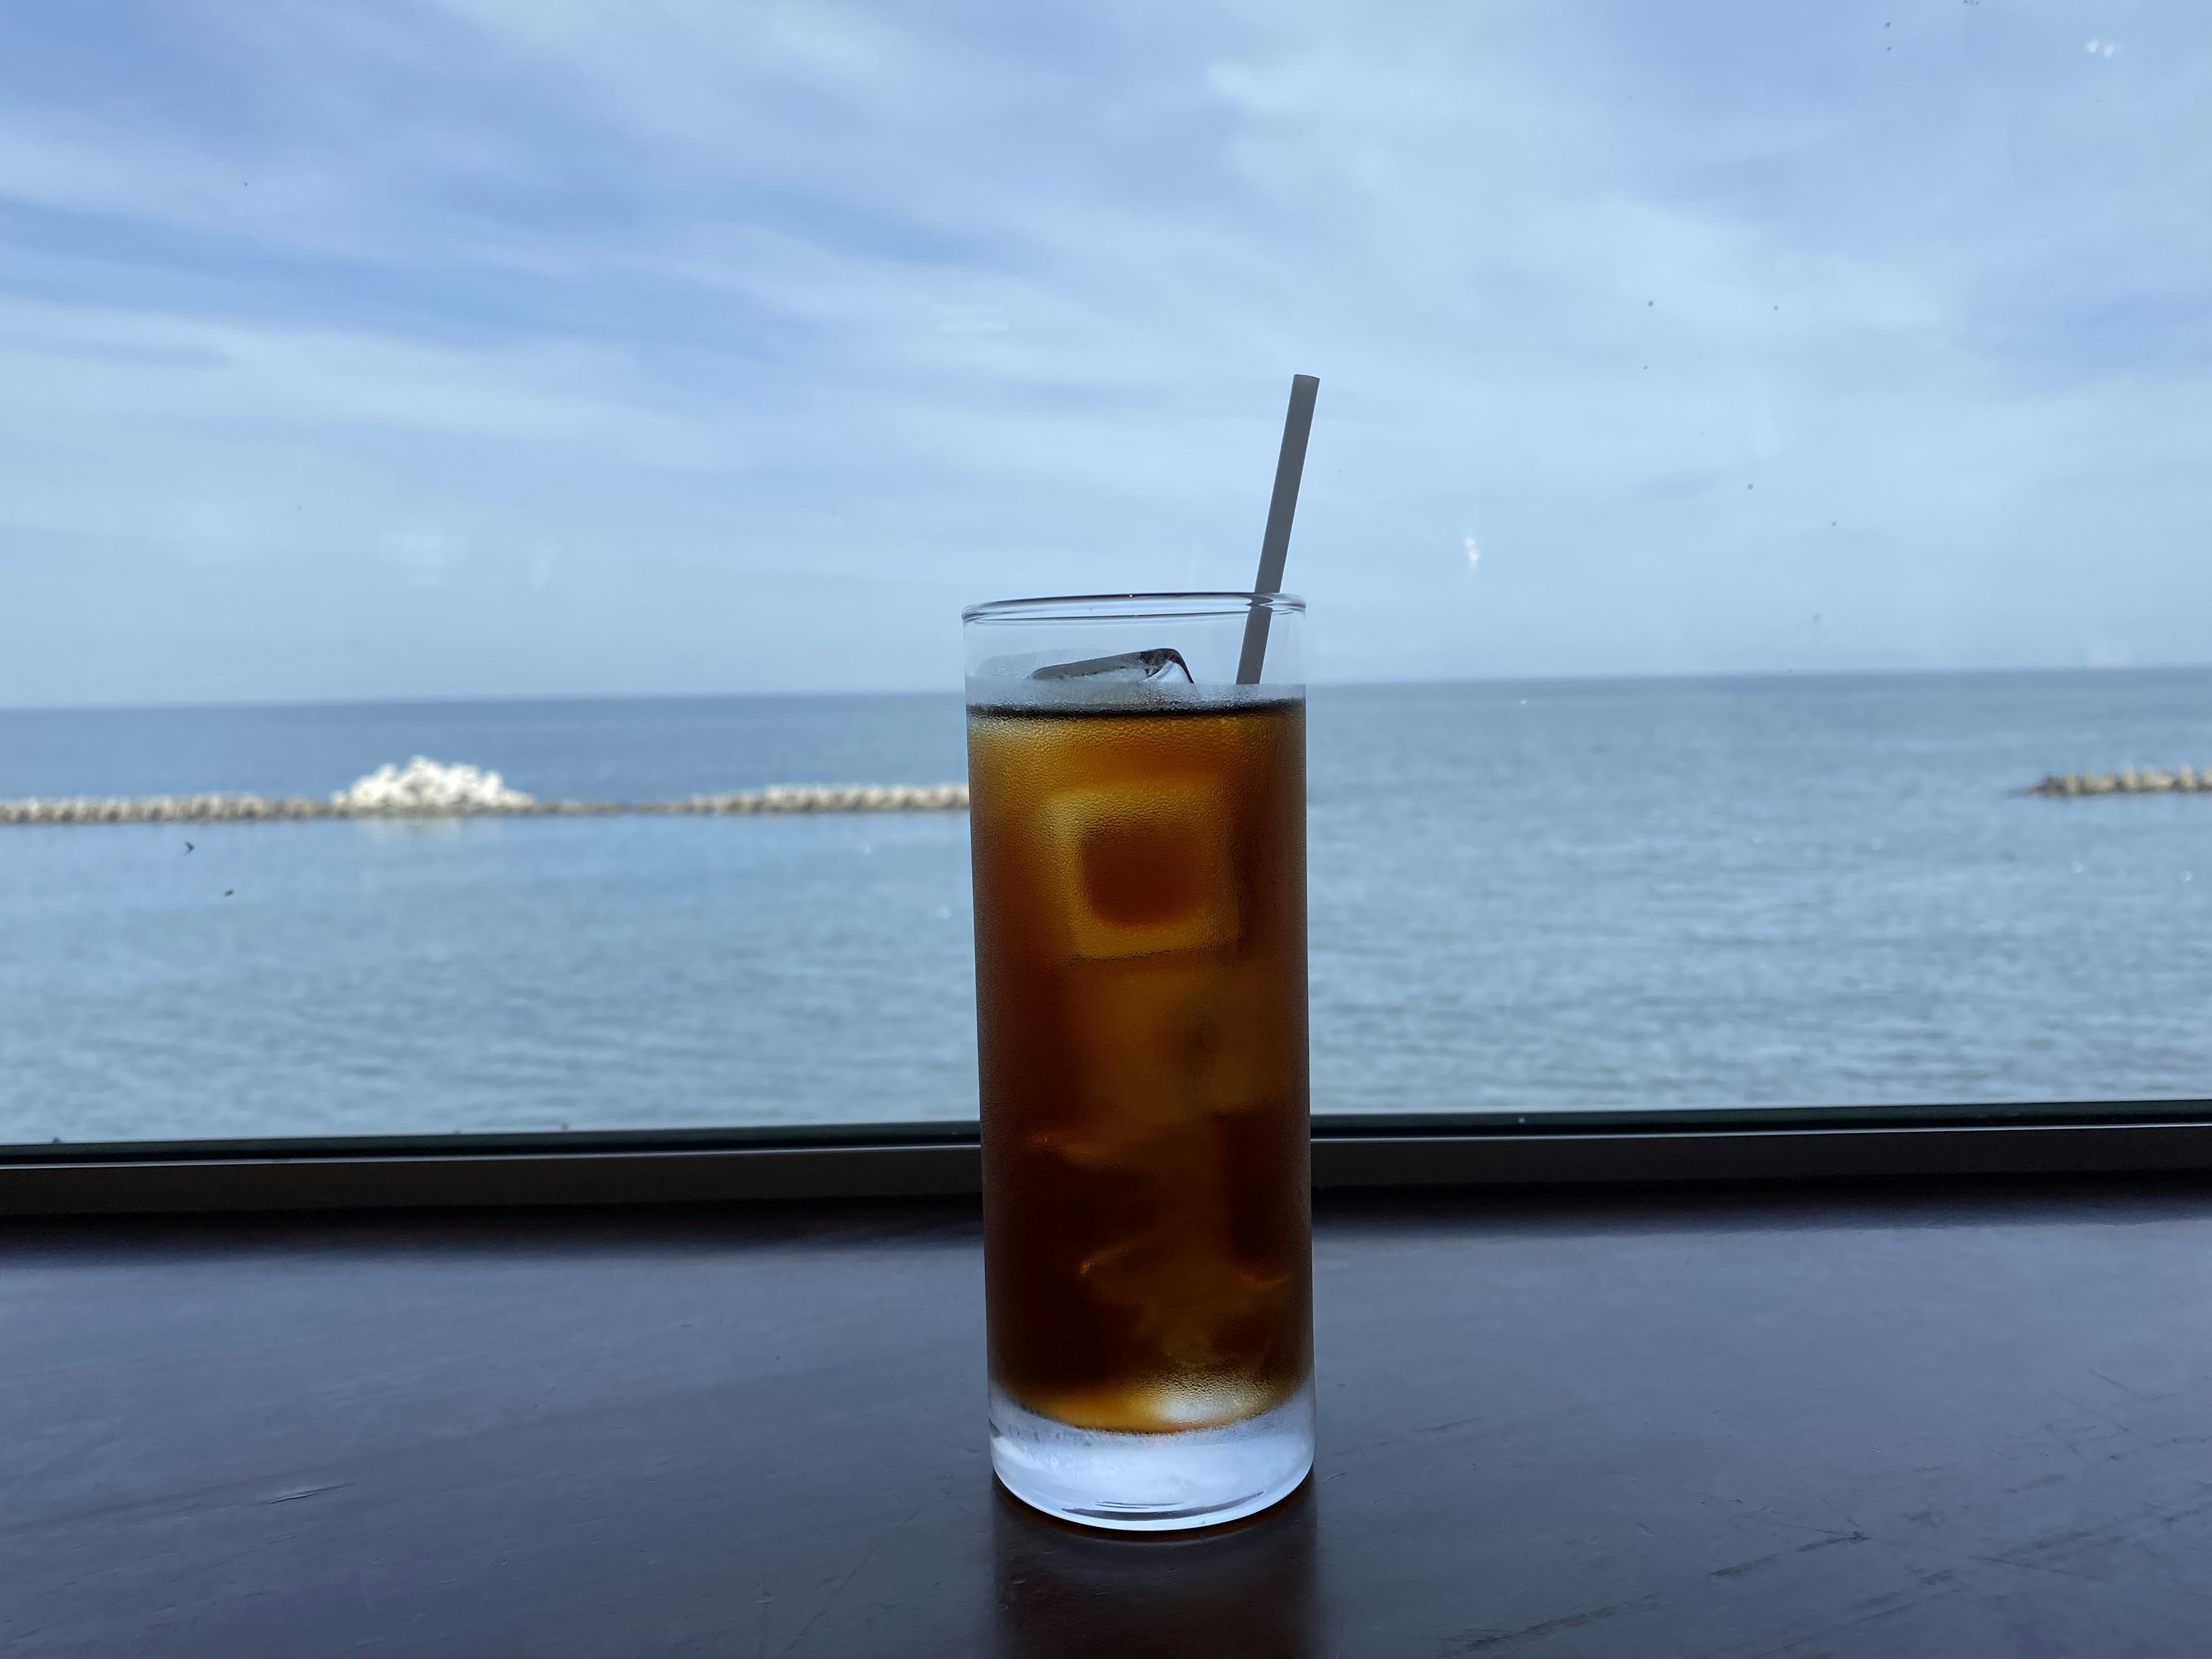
{"x": 213, "y": 704}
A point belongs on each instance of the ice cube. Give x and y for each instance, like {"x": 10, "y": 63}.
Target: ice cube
{"x": 1164, "y": 666}
{"x": 1142, "y": 1035}
{"x": 1199, "y": 1405}
{"x": 1143, "y": 868}
{"x": 1151, "y": 1405}
{"x": 1161, "y": 1049}
{"x": 1167, "y": 1041}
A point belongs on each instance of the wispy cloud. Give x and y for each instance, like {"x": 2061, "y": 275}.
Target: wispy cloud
{"x": 793, "y": 324}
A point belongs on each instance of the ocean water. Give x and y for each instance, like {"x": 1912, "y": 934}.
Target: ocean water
{"x": 1539, "y": 898}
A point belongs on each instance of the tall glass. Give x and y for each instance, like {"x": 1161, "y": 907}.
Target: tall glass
{"x": 1137, "y": 820}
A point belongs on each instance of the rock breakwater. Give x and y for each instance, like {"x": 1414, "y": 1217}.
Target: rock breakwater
{"x": 252, "y": 809}
{"x": 823, "y": 797}
{"x": 2128, "y": 780}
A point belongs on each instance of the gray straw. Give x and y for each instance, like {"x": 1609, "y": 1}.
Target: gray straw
{"x": 1275, "y": 545}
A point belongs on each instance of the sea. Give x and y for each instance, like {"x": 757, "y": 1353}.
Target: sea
{"x": 1607, "y": 895}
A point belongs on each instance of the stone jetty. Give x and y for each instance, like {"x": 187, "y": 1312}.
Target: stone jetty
{"x": 2128, "y": 780}
{"x": 424, "y": 789}
{"x": 252, "y": 809}
{"x": 823, "y": 797}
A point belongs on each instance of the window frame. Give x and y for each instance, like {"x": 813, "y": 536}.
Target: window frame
{"x": 1351, "y": 1152}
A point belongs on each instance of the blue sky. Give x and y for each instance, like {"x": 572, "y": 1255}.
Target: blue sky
{"x": 437, "y": 348}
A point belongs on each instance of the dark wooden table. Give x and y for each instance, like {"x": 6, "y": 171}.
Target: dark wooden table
{"x": 1882, "y": 1423}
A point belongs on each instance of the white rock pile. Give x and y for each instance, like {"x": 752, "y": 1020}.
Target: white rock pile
{"x": 423, "y": 786}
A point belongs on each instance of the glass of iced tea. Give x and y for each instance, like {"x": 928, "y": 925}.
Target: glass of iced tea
{"x": 1137, "y": 779}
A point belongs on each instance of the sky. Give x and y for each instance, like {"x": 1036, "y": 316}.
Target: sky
{"x": 487, "y": 348}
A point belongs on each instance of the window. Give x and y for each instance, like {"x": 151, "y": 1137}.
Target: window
{"x": 1752, "y": 450}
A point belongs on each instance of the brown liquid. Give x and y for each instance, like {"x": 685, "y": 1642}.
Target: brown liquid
{"x": 1140, "y": 966}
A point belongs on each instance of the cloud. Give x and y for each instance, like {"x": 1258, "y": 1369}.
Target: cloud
{"x": 737, "y": 303}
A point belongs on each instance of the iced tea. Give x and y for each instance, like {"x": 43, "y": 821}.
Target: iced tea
{"x": 1141, "y": 1008}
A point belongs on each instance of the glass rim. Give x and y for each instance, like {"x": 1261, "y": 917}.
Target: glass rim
{"x": 1130, "y": 607}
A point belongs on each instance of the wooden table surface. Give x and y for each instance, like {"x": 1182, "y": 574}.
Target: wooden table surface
{"x": 1842, "y": 1422}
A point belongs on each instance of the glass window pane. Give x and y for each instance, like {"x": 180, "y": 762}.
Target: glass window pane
{"x": 1753, "y": 450}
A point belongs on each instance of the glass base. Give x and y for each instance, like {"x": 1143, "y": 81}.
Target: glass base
{"x": 1153, "y": 1482}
